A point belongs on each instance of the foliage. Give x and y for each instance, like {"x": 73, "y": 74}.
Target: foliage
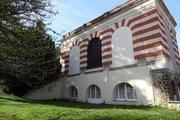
{"x": 27, "y": 52}
{"x": 17, "y": 109}
{"x": 22, "y": 13}
{"x": 31, "y": 60}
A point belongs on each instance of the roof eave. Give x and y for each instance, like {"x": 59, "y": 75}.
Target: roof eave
{"x": 114, "y": 12}
{"x": 164, "y": 7}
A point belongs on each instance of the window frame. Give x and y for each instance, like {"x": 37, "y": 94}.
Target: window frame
{"x": 98, "y": 64}
{"x": 95, "y": 91}
{"x": 117, "y": 93}
{"x": 73, "y": 92}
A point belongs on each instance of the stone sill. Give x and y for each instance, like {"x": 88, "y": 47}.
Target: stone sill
{"x": 125, "y": 100}
{"x": 174, "y": 102}
{"x": 71, "y": 75}
{"x": 95, "y": 70}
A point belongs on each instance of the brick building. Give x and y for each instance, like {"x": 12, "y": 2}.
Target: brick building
{"x": 128, "y": 55}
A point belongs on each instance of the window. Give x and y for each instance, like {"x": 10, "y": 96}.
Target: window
{"x": 74, "y": 60}
{"x": 94, "y": 92}
{"x": 73, "y": 93}
{"x": 125, "y": 91}
{"x": 94, "y": 54}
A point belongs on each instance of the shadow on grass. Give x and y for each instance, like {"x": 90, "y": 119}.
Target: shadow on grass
{"x": 74, "y": 104}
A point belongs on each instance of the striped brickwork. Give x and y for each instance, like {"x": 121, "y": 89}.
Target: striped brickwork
{"x": 149, "y": 39}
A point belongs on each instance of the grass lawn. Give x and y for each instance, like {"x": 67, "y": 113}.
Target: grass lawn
{"x": 12, "y": 108}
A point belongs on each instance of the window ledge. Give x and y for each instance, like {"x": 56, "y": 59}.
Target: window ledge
{"x": 71, "y": 75}
{"x": 118, "y": 100}
{"x": 94, "y": 98}
{"x": 94, "y": 70}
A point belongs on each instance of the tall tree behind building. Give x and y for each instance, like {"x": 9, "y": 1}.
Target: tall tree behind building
{"x": 27, "y": 52}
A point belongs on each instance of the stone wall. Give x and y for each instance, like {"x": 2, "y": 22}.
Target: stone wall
{"x": 163, "y": 89}
{"x": 174, "y": 105}
{"x": 46, "y": 92}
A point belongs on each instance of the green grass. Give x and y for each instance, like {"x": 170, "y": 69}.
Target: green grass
{"x": 13, "y": 108}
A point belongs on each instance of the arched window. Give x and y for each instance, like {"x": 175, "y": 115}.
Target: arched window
{"x": 94, "y": 92}
{"x": 94, "y": 58}
{"x": 74, "y": 60}
{"x": 125, "y": 91}
{"x": 73, "y": 92}
{"x": 122, "y": 47}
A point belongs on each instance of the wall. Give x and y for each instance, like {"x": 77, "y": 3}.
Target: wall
{"x": 122, "y": 47}
{"x": 149, "y": 38}
{"x": 150, "y": 44}
{"x": 74, "y": 60}
{"x": 47, "y": 92}
{"x": 162, "y": 85}
{"x": 161, "y": 63}
{"x": 172, "y": 40}
{"x": 147, "y": 31}
{"x": 174, "y": 105}
{"x": 138, "y": 77}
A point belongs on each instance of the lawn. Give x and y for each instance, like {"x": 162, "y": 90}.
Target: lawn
{"x": 12, "y": 108}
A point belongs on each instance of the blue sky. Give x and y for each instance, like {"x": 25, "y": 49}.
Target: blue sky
{"x": 74, "y": 13}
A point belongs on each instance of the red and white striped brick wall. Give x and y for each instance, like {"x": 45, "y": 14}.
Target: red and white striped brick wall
{"x": 172, "y": 32}
{"x": 106, "y": 38}
{"x": 64, "y": 61}
{"x": 149, "y": 39}
{"x": 65, "y": 51}
{"x": 83, "y": 53}
{"x": 175, "y": 46}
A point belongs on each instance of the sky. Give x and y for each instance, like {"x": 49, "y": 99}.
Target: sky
{"x": 74, "y": 13}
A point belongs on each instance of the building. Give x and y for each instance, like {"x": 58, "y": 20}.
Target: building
{"x": 128, "y": 55}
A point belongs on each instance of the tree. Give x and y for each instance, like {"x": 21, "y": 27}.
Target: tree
{"x": 27, "y": 52}
{"x": 21, "y": 13}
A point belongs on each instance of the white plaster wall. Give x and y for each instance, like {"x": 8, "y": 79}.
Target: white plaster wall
{"x": 138, "y": 77}
{"x": 74, "y": 60}
{"x": 122, "y": 47}
{"x": 161, "y": 63}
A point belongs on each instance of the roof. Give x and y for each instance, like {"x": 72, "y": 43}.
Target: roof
{"x": 122, "y": 8}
